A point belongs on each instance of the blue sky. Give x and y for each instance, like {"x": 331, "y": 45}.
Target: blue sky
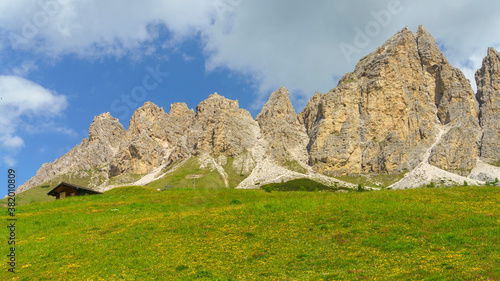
{"x": 62, "y": 62}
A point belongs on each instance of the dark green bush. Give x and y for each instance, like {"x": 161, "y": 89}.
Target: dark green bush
{"x": 267, "y": 188}
{"x": 235, "y": 202}
{"x": 298, "y": 185}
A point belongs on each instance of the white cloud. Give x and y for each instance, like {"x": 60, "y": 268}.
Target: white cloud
{"x": 290, "y": 43}
{"x": 21, "y": 97}
{"x": 22, "y": 100}
{"x": 25, "y": 68}
{"x": 9, "y": 161}
{"x": 186, "y": 57}
{"x": 95, "y": 28}
{"x": 297, "y": 44}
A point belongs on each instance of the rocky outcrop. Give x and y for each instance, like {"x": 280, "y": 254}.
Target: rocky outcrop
{"x": 106, "y": 135}
{"x": 180, "y": 119}
{"x": 221, "y": 127}
{"x": 380, "y": 117}
{"x": 451, "y": 91}
{"x": 148, "y": 119}
{"x": 286, "y": 137}
{"x": 403, "y": 108}
{"x": 138, "y": 156}
{"x": 458, "y": 150}
{"x": 152, "y": 136}
{"x": 309, "y": 115}
{"x": 457, "y": 108}
{"x": 385, "y": 114}
{"x": 488, "y": 94}
{"x": 159, "y": 125}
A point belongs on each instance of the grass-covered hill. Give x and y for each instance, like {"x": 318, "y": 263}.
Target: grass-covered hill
{"x": 138, "y": 233}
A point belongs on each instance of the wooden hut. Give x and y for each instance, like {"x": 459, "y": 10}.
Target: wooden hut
{"x": 69, "y": 190}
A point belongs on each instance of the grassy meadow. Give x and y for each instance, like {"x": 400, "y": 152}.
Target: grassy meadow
{"x": 139, "y": 233}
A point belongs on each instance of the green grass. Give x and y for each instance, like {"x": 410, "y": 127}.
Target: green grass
{"x": 235, "y": 175}
{"x": 374, "y": 181}
{"x": 182, "y": 177}
{"x": 124, "y": 179}
{"x": 39, "y": 193}
{"x": 298, "y": 185}
{"x": 294, "y": 166}
{"x": 36, "y": 194}
{"x": 137, "y": 233}
{"x": 347, "y": 81}
{"x": 81, "y": 178}
{"x": 205, "y": 178}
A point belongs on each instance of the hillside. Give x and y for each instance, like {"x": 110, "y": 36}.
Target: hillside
{"x": 405, "y": 117}
{"x": 138, "y": 233}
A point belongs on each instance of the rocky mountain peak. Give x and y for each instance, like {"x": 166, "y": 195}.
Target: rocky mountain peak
{"x": 179, "y": 109}
{"x": 488, "y": 94}
{"x": 382, "y": 116}
{"x": 144, "y": 118}
{"x": 216, "y": 103}
{"x": 492, "y": 51}
{"x": 220, "y": 126}
{"x": 286, "y": 136}
{"x": 429, "y": 52}
{"x": 106, "y": 135}
{"x": 106, "y": 128}
{"x": 310, "y": 113}
{"x": 153, "y": 136}
{"x": 488, "y": 76}
{"x": 278, "y": 107}
{"x": 102, "y": 116}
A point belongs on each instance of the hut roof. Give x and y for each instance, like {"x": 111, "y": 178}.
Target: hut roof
{"x": 53, "y": 192}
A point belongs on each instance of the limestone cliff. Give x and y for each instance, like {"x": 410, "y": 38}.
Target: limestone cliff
{"x": 310, "y": 113}
{"x": 286, "y": 137}
{"x": 403, "y": 108}
{"x": 458, "y": 109}
{"x": 151, "y": 137}
{"x": 488, "y": 94}
{"x": 221, "y": 127}
{"x": 106, "y": 135}
{"x": 384, "y": 115}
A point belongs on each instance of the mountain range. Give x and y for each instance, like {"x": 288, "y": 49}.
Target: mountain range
{"x": 405, "y": 117}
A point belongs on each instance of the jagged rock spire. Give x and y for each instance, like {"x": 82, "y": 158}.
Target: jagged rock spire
{"x": 285, "y": 135}
{"x": 488, "y": 94}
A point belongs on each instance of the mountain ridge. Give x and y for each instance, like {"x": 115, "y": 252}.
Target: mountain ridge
{"x": 404, "y": 110}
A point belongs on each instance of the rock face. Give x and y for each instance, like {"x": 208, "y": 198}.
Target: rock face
{"x": 403, "y": 108}
{"x": 488, "y": 94}
{"x": 151, "y": 137}
{"x": 142, "y": 149}
{"x": 384, "y": 115}
{"x": 457, "y": 108}
{"x": 285, "y": 135}
{"x": 310, "y": 113}
{"x": 106, "y": 135}
{"x": 221, "y": 127}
